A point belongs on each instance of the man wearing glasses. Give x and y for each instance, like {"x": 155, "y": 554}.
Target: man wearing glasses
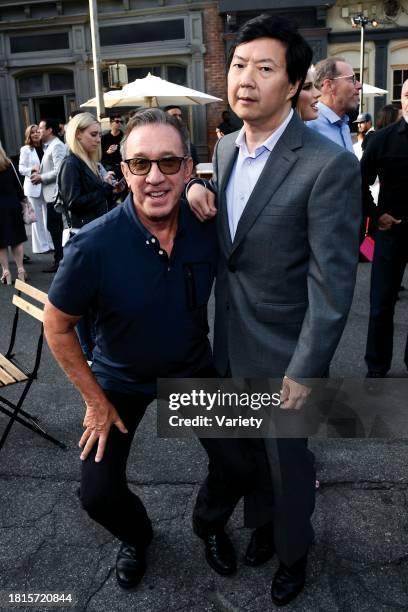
{"x": 340, "y": 95}
{"x": 146, "y": 268}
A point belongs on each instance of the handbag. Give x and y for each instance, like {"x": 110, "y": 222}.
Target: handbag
{"x": 26, "y": 207}
{"x": 367, "y": 246}
{"x": 28, "y": 212}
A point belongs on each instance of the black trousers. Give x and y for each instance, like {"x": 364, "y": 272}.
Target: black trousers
{"x": 276, "y": 478}
{"x": 105, "y": 494}
{"x": 55, "y": 227}
{"x": 387, "y": 271}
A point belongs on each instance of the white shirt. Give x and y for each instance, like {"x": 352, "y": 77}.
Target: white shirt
{"x": 246, "y": 172}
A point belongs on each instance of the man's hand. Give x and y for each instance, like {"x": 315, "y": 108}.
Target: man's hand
{"x": 201, "y": 202}
{"x": 36, "y": 178}
{"x": 109, "y": 176}
{"x": 112, "y": 149}
{"x": 293, "y": 395}
{"x": 386, "y": 221}
{"x": 98, "y": 420}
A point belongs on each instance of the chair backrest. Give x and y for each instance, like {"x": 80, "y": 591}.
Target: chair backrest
{"x": 23, "y": 304}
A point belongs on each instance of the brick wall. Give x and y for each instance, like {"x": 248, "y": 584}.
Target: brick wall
{"x": 215, "y": 71}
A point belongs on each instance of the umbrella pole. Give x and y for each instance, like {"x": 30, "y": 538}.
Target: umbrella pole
{"x": 93, "y": 17}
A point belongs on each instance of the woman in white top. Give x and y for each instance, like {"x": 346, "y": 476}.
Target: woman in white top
{"x": 30, "y": 159}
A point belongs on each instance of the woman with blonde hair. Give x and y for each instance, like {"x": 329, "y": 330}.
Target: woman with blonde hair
{"x": 12, "y": 230}
{"x": 30, "y": 159}
{"x": 83, "y": 192}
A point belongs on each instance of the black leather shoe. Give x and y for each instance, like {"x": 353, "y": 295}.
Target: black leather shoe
{"x": 130, "y": 565}
{"x": 220, "y": 553}
{"x": 261, "y": 547}
{"x": 288, "y": 582}
{"x": 51, "y": 269}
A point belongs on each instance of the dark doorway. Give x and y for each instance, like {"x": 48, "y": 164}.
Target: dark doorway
{"x": 49, "y": 108}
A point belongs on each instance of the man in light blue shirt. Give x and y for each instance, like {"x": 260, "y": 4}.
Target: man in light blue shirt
{"x": 340, "y": 95}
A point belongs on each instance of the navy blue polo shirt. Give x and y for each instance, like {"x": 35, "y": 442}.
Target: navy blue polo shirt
{"x": 150, "y": 310}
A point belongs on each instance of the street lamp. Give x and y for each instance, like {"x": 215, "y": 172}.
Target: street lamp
{"x": 360, "y": 21}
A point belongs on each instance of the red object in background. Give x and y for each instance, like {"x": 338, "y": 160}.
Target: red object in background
{"x": 367, "y": 248}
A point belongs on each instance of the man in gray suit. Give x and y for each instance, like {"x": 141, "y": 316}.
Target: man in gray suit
{"x": 288, "y": 218}
{"x": 54, "y": 153}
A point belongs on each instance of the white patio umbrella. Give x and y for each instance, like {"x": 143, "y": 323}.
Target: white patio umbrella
{"x": 109, "y": 97}
{"x": 154, "y": 91}
{"x": 371, "y": 90}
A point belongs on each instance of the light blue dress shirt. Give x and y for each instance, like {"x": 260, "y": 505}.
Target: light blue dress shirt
{"x": 246, "y": 172}
{"x": 332, "y": 126}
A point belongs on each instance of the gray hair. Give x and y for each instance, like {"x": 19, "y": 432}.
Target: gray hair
{"x": 153, "y": 116}
{"x": 326, "y": 69}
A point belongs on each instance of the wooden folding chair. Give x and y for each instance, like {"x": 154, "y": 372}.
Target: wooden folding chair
{"x": 11, "y": 372}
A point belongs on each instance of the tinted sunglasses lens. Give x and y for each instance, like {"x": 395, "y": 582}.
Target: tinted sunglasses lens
{"x": 139, "y": 166}
{"x": 170, "y": 165}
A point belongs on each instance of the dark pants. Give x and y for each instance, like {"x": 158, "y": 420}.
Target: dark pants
{"x": 55, "y": 227}
{"x": 276, "y": 477}
{"x": 104, "y": 491}
{"x": 386, "y": 277}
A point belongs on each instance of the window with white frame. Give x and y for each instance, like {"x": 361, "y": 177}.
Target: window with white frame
{"x": 399, "y": 75}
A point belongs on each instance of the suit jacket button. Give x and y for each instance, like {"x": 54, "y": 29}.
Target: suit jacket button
{"x": 232, "y": 267}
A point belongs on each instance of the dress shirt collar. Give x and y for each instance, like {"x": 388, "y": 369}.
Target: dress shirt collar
{"x": 268, "y": 144}
{"x": 330, "y": 115}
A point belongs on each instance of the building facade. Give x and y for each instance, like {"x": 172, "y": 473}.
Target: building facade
{"x": 46, "y": 55}
{"x": 329, "y": 30}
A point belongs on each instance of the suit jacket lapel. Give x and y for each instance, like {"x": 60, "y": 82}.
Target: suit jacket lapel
{"x": 279, "y": 163}
{"x": 96, "y": 178}
{"x": 46, "y": 154}
{"x": 226, "y": 161}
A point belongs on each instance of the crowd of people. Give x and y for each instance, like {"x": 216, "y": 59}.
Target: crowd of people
{"x": 279, "y": 226}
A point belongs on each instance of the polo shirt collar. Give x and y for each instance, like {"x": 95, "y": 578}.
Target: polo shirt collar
{"x": 148, "y": 236}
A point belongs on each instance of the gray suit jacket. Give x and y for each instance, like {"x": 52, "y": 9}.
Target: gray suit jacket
{"x": 50, "y": 165}
{"x": 285, "y": 284}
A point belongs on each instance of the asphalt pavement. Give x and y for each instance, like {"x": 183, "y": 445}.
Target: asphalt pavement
{"x": 359, "y": 561}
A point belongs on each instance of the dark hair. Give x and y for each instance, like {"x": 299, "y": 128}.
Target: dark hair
{"x": 76, "y": 112}
{"x": 170, "y": 107}
{"x": 388, "y": 114}
{"x": 298, "y": 52}
{"x": 53, "y": 124}
{"x": 115, "y": 116}
{"x": 153, "y": 116}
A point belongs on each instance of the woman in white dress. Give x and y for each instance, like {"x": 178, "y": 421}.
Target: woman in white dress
{"x": 30, "y": 159}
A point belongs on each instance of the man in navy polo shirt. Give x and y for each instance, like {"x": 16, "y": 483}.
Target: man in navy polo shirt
{"x": 146, "y": 269}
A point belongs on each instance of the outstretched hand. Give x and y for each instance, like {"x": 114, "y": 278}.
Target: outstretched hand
{"x": 98, "y": 420}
